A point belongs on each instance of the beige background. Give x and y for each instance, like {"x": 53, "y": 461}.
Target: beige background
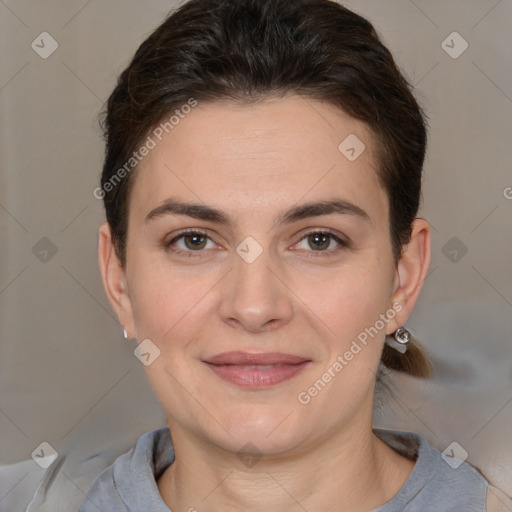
{"x": 66, "y": 375}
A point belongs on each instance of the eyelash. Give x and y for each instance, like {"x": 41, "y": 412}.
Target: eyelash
{"x": 190, "y": 254}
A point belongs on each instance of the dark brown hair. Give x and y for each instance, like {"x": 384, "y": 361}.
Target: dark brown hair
{"x": 250, "y": 50}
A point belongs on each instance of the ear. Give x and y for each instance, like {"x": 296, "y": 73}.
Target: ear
{"x": 114, "y": 280}
{"x": 411, "y": 271}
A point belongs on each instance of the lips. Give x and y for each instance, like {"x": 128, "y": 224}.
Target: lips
{"x": 250, "y": 370}
{"x": 247, "y": 359}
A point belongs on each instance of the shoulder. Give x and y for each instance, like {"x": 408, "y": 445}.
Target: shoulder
{"x": 439, "y": 482}
{"x": 131, "y": 479}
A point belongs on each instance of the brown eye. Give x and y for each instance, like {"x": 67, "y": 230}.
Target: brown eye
{"x": 323, "y": 243}
{"x": 319, "y": 241}
{"x": 195, "y": 241}
{"x": 189, "y": 242}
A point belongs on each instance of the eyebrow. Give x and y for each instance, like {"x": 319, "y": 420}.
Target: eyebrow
{"x": 174, "y": 206}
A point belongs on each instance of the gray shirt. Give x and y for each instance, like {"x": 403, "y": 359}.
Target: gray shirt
{"x": 129, "y": 484}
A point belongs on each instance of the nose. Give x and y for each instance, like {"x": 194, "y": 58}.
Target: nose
{"x": 256, "y": 297}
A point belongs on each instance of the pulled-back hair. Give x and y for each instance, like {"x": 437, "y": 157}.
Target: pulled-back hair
{"x": 250, "y": 50}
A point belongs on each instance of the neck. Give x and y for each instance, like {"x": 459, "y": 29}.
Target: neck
{"x": 351, "y": 470}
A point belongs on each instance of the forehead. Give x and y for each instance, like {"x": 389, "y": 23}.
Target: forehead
{"x": 247, "y": 158}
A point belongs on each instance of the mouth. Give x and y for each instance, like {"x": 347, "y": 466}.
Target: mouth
{"x": 256, "y": 371}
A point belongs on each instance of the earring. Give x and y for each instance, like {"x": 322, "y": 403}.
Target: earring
{"x": 125, "y": 334}
{"x": 399, "y": 340}
{"x": 402, "y": 335}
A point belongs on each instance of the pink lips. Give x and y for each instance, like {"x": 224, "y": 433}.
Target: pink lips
{"x": 255, "y": 371}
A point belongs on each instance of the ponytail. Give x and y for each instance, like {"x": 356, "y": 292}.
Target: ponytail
{"x": 415, "y": 361}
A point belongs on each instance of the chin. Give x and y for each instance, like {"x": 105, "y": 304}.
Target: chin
{"x": 269, "y": 430}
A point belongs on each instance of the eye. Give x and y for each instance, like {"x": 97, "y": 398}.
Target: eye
{"x": 323, "y": 242}
{"x": 188, "y": 242}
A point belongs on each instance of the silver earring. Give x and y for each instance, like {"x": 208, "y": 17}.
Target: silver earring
{"x": 399, "y": 340}
{"x": 402, "y": 335}
{"x": 125, "y": 334}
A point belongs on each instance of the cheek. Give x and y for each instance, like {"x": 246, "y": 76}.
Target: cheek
{"x": 166, "y": 303}
{"x": 349, "y": 299}
{"x": 351, "y": 306}
{"x": 355, "y": 310}
{"x": 170, "y": 310}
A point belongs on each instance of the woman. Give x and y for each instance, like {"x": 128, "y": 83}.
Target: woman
{"x": 261, "y": 183}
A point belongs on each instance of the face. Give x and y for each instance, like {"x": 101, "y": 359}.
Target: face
{"x": 270, "y": 299}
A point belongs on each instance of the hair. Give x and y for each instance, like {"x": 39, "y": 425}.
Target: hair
{"x": 251, "y": 50}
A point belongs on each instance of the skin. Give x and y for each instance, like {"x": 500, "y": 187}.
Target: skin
{"x": 253, "y": 163}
